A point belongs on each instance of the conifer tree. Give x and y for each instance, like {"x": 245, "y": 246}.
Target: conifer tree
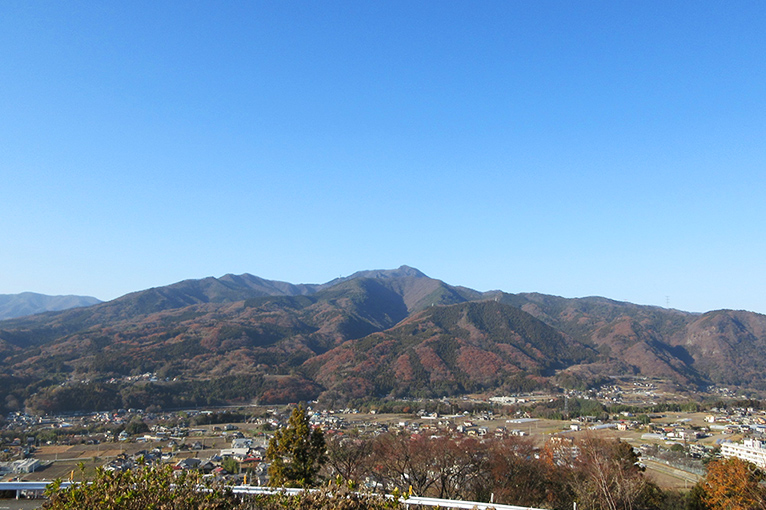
{"x": 296, "y": 452}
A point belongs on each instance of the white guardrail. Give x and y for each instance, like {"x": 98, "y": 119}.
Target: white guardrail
{"x": 252, "y": 489}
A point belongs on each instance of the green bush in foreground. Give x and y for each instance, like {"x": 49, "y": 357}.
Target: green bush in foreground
{"x": 160, "y": 488}
{"x": 150, "y": 488}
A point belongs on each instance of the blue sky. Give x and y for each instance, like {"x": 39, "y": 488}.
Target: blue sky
{"x": 569, "y": 148}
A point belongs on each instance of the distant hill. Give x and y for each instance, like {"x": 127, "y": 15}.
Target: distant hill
{"x": 30, "y": 303}
{"x": 381, "y": 333}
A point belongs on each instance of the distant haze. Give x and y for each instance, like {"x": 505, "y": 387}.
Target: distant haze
{"x": 30, "y": 303}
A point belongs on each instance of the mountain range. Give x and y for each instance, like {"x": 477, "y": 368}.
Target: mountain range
{"x": 375, "y": 334}
{"x": 30, "y": 303}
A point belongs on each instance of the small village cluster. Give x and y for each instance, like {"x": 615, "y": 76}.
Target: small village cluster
{"x": 226, "y": 451}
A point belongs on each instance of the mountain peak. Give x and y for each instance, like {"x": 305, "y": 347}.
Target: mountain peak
{"x": 400, "y": 272}
{"x": 411, "y": 271}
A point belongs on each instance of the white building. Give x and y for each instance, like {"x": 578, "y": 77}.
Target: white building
{"x": 750, "y": 450}
{"x": 237, "y": 453}
{"x": 241, "y": 442}
{"x": 19, "y": 466}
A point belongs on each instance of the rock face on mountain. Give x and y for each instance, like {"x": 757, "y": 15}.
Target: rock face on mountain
{"x": 30, "y": 303}
{"x": 373, "y": 334}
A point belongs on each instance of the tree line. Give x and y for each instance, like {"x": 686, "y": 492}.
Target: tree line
{"x": 596, "y": 473}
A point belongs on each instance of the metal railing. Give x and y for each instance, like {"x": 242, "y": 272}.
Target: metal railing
{"x": 253, "y": 489}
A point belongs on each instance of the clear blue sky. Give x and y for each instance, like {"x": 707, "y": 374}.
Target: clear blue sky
{"x": 570, "y": 148}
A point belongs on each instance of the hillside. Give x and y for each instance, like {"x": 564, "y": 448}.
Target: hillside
{"x": 31, "y": 303}
{"x": 723, "y": 347}
{"x": 449, "y": 350}
{"x": 375, "y": 333}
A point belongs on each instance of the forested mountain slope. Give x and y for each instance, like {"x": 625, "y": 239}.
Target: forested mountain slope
{"x": 376, "y": 333}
